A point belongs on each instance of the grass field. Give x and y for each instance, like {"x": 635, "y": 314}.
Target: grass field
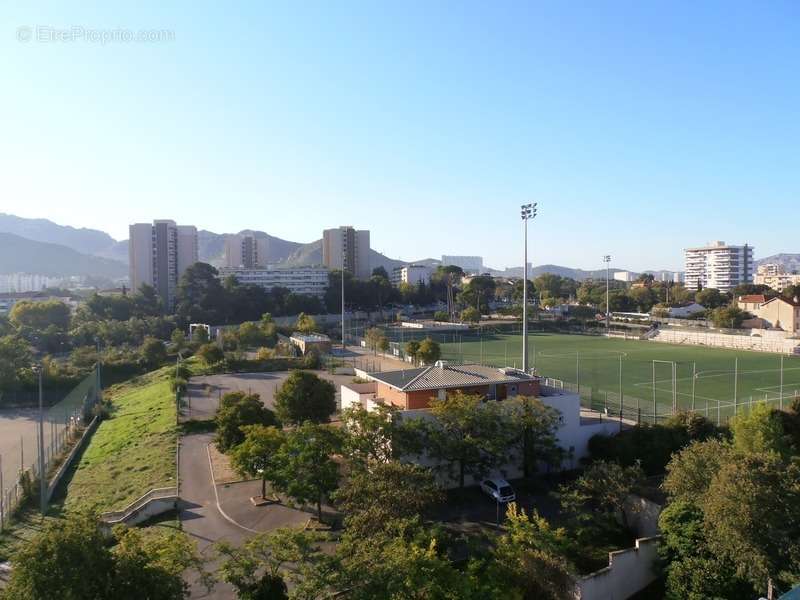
{"x": 703, "y": 373}
{"x": 130, "y": 453}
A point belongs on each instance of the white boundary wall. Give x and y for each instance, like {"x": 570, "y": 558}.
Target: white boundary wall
{"x": 628, "y": 572}
{"x": 759, "y": 340}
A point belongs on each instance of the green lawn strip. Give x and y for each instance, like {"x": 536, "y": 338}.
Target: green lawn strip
{"x": 130, "y": 453}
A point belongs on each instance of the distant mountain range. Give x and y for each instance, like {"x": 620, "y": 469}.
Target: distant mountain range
{"x": 790, "y": 262}
{"x": 21, "y": 255}
{"x": 41, "y": 246}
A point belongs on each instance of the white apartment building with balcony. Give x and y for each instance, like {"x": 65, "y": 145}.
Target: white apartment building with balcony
{"x": 158, "y": 254}
{"x": 718, "y": 266}
{"x": 310, "y": 281}
{"x": 411, "y": 274}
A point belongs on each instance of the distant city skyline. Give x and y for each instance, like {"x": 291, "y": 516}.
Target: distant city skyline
{"x": 640, "y": 129}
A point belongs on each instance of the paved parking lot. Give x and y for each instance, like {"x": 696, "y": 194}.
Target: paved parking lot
{"x": 203, "y": 393}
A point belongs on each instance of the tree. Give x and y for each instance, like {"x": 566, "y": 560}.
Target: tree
{"x": 236, "y": 410}
{"x": 372, "y": 337}
{"x": 146, "y": 302}
{"x": 530, "y": 558}
{"x": 385, "y": 491}
{"x": 404, "y": 561}
{"x": 468, "y": 436}
{"x": 692, "y": 571}
{"x": 441, "y": 316}
{"x": 178, "y": 340}
{"x": 383, "y": 344}
{"x": 370, "y": 435}
{"x": 258, "y": 569}
{"x": 428, "y": 351}
{"x": 72, "y": 559}
{"x": 200, "y": 296}
{"x": 728, "y": 317}
{"x": 597, "y": 496}
{"x": 305, "y": 397}
{"x": 305, "y": 323}
{"x": 536, "y": 425}
{"x": 470, "y": 315}
{"x": 153, "y": 352}
{"x": 38, "y": 316}
{"x": 710, "y": 298}
{"x": 760, "y": 431}
{"x": 478, "y": 292}
{"x": 412, "y": 350}
{"x": 210, "y": 354}
{"x": 251, "y": 335}
{"x": 752, "y": 516}
{"x": 253, "y": 455}
{"x": 15, "y": 354}
{"x": 303, "y": 467}
{"x": 690, "y": 472}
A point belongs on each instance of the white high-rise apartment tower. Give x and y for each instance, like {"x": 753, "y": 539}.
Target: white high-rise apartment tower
{"x": 719, "y": 266}
{"x": 347, "y": 249}
{"x": 159, "y": 253}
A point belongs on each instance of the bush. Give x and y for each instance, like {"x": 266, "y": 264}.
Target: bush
{"x": 210, "y": 354}
{"x": 652, "y": 445}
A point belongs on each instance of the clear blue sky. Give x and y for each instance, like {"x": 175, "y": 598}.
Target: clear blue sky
{"x": 641, "y": 128}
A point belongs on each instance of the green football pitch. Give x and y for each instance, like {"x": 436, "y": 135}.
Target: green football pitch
{"x": 713, "y": 381}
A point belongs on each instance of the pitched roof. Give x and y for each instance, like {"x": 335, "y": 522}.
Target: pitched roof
{"x": 789, "y": 301}
{"x": 753, "y": 299}
{"x": 448, "y": 376}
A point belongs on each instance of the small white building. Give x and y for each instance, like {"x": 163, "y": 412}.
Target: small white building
{"x": 683, "y": 312}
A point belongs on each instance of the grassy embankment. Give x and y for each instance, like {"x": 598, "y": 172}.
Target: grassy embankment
{"x": 130, "y": 453}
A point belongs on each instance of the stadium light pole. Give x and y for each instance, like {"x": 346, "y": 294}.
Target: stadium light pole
{"x": 527, "y": 211}
{"x": 40, "y": 439}
{"x": 344, "y": 345}
{"x": 607, "y": 260}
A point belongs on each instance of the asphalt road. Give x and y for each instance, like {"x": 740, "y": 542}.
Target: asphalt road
{"x": 211, "y": 514}
{"x": 203, "y": 392}
{"x": 198, "y": 513}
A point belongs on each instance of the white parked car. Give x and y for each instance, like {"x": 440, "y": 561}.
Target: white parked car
{"x": 498, "y": 489}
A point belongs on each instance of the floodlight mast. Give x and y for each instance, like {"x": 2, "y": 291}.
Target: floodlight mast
{"x": 607, "y": 260}
{"x": 527, "y": 211}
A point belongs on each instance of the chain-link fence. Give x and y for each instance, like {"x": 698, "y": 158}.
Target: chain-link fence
{"x": 19, "y": 449}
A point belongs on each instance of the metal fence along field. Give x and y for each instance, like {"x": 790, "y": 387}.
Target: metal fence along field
{"x": 20, "y": 458}
{"x": 645, "y": 381}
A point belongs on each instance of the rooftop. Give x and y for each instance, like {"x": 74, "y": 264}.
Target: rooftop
{"x": 310, "y": 337}
{"x": 443, "y": 375}
{"x": 753, "y": 299}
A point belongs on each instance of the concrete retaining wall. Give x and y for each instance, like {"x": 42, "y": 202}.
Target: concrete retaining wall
{"x": 62, "y": 470}
{"x": 628, "y": 572}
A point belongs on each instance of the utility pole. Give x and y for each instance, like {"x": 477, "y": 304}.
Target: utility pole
{"x": 607, "y": 260}
{"x": 40, "y": 440}
{"x": 344, "y": 345}
{"x": 528, "y": 211}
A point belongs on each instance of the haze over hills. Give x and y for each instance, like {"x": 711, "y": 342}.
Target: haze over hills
{"x": 21, "y": 255}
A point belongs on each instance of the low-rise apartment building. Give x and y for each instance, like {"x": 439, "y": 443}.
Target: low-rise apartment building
{"x": 310, "y": 281}
{"x": 780, "y": 313}
{"x": 400, "y": 389}
{"x": 410, "y": 389}
{"x": 411, "y": 274}
{"x": 751, "y": 303}
{"x": 776, "y": 277}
